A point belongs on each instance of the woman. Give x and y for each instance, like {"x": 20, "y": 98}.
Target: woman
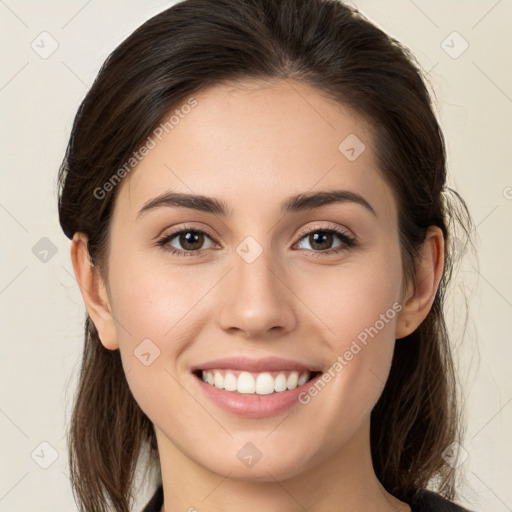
{"x": 255, "y": 193}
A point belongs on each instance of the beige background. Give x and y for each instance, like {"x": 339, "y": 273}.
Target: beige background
{"x": 41, "y": 307}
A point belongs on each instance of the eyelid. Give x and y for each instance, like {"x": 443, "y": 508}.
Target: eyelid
{"x": 322, "y": 227}
{"x": 186, "y": 227}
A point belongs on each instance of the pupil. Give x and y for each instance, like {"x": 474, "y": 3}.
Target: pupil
{"x": 191, "y": 240}
{"x": 322, "y": 241}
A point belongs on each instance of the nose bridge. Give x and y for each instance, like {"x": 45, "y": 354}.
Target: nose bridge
{"x": 256, "y": 298}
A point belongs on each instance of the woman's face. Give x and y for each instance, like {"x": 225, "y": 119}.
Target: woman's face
{"x": 262, "y": 290}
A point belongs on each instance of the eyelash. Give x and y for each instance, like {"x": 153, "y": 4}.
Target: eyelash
{"x": 349, "y": 241}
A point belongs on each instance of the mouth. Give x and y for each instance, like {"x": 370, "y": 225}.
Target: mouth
{"x": 254, "y": 388}
{"x": 255, "y": 383}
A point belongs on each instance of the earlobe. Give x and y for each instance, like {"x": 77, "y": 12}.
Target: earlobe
{"x": 93, "y": 292}
{"x": 428, "y": 273}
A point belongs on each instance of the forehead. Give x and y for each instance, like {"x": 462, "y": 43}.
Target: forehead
{"x": 252, "y": 144}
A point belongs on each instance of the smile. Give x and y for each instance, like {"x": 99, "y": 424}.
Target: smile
{"x": 263, "y": 383}
{"x": 254, "y": 388}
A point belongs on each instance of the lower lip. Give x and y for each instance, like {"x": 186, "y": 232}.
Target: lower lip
{"x": 254, "y": 405}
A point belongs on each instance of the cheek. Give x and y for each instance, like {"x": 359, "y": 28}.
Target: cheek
{"x": 349, "y": 299}
{"x": 159, "y": 316}
{"x": 153, "y": 300}
{"x": 160, "y": 312}
{"x": 357, "y": 307}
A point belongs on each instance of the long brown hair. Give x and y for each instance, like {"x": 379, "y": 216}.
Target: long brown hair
{"x": 335, "y": 49}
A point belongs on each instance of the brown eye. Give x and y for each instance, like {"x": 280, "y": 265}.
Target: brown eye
{"x": 185, "y": 242}
{"x": 321, "y": 240}
{"x": 191, "y": 240}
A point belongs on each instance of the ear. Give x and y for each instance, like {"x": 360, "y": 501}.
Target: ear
{"x": 93, "y": 291}
{"x": 429, "y": 269}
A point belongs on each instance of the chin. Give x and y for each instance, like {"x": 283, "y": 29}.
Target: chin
{"x": 268, "y": 464}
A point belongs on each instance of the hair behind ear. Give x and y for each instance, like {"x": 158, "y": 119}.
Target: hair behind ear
{"x": 417, "y": 413}
{"x": 105, "y": 415}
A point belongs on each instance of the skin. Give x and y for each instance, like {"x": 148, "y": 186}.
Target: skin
{"x": 252, "y": 146}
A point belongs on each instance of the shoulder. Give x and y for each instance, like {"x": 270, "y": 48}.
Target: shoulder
{"x": 156, "y": 502}
{"x": 429, "y": 501}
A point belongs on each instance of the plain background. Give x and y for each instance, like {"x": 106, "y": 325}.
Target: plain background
{"x": 41, "y": 307}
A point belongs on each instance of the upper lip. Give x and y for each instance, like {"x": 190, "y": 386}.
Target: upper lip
{"x": 265, "y": 364}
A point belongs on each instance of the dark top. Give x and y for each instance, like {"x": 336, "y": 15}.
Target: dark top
{"x": 425, "y": 501}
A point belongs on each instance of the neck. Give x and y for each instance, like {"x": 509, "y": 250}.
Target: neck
{"x": 344, "y": 482}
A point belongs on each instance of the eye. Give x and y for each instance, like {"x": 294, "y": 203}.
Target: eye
{"x": 191, "y": 241}
{"x": 321, "y": 240}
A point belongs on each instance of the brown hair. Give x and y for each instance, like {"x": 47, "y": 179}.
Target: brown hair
{"x": 333, "y": 48}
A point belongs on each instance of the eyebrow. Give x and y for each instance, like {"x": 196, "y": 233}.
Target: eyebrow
{"x": 298, "y": 203}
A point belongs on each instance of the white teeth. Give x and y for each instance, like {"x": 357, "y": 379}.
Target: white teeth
{"x": 292, "y": 381}
{"x": 218, "y": 380}
{"x": 280, "y": 383}
{"x": 230, "y": 382}
{"x": 249, "y": 383}
{"x": 264, "y": 384}
{"x": 302, "y": 379}
{"x": 246, "y": 383}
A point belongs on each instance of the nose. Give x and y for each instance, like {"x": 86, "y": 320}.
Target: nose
{"x": 257, "y": 301}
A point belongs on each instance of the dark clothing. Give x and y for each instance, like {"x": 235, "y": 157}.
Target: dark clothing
{"x": 156, "y": 502}
{"x": 428, "y": 501}
{"x": 424, "y": 501}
